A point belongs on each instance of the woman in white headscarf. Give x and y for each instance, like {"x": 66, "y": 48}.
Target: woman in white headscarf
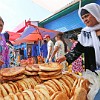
{"x": 89, "y": 39}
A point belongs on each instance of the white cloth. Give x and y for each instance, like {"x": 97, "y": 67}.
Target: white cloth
{"x": 92, "y": 8}
{"x": 88, "y": 35}
{"x": 49, "y": 45}
{"x": 61, "y": 50}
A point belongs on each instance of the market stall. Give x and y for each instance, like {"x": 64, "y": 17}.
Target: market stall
{"x": 46, "y": 82}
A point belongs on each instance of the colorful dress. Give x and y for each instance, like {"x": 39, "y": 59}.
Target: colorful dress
{"x": 4, "y": 52}
{"x": 77, "y": 64}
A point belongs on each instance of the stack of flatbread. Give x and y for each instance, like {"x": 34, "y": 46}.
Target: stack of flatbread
{"x": 32, "y": 69}
{"x": 30, "y": 94}
{"x": 50, "y": 71}
{"x": 18, "y": 86}
{"x": 80, "y": 89}
{"x": 12, "y": 74}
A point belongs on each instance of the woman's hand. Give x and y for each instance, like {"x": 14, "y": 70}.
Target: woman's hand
{"x": 1, "y": 62}
{"x": 61, "y": 59}
{"x": 50, "y": 60}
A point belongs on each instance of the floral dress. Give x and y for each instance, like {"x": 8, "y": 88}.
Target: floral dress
{"x": 77, "y": 64}
{"x": 4, "y": 51}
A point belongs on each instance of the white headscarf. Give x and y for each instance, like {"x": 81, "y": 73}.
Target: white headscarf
{"x": 88, "y": 35}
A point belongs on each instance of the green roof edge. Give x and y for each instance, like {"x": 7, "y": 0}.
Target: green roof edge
{"x": 64, "y": 12}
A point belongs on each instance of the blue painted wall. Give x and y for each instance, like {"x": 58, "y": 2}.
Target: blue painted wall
{"x": 68, "y": 22}
{"x": 97, "y": 1}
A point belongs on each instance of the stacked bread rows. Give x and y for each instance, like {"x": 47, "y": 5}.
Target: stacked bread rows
{"x": 50, "y": 71}
{"x": 18, "y": 86}
{"x": 66, "y": 87}
{"x": 56, "y": 89}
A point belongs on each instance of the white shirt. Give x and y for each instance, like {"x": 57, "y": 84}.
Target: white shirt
{"x": 61, "y": 50}
{"x": 49, "y": 45}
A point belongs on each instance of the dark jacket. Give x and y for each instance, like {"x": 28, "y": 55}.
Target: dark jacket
{"x": 89, "y": 54}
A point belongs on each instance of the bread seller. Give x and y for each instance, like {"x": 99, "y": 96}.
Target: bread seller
{"x": 89, "y": 39}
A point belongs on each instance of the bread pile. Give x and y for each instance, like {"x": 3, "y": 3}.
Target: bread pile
{"x": 80, "y": 89}
{"x": 57, "y": 86}
{"x": 50, "y": 71}
{"x": 68, "y": 87}
{"x": 32, "y": 69}
{"x": 12, "y": 74}
{"x": 30, "y": 94}
{"x": 18, "y": 86}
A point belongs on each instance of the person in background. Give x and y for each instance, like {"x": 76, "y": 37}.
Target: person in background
{"x": 21, "y": 53}
{"x": 29, "y": 52}
{"x": 88, "y": 40}
{"x": 4, "y": 51}
{"x": 50, "y": 47}
{"x": 34, "y": 52}
{"x": 12, "y": 60}
{"x": 38, "y": 47}
{"x": 59, "y": 49}
{"x": 44, "y": 50}
{"x": 6, "y": 35}
{"x": 77, "y": 64}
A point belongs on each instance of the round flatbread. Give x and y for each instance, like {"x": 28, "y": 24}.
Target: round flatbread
{"x": 57, "y": 74}
{"x": 26, "y": 96}
{"x": 35, "y": 67}
{"x": 48, "y": 73}
{"x": 12, "y": 71}
{"x": 3, "y": 90}
{"x": 50, "y": 67}
{"x": 20, "y": 96}
{"x": 7, "y": 88}
{"x": 59, "y": 96}
{"x": 13, "y": 96}
{"x": 53, "y": 77}
{"x": 30, "y": 73}
{"x": 14, "y": 78}
{"x": 7, "y": 97}
{"x": 30, "y": 93}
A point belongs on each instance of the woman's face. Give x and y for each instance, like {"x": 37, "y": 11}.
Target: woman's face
{"x": 89, "y": 20}
{"x": 56, "y": 38}
{"x": 1, "y": 26}
{"x": 71, "y": 40}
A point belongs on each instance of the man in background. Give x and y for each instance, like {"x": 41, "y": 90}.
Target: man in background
{"x": 50, "y": 47}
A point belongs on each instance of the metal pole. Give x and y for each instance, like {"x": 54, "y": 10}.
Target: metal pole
{"x": 80, "y": 2}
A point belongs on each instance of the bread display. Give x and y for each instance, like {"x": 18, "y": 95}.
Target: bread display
{"x": 18, "y": 86}
{"x": 47, "y": 84}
